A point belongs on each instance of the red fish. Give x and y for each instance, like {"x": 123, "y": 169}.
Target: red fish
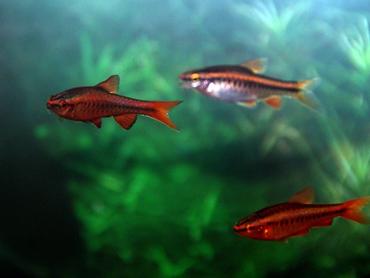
{"x": 245, "y": 85}
{"x": 90, "y": 104}
{"x": 297, "y": 216}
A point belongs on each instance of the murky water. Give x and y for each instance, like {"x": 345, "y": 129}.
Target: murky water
{"x": 79, "y": 201}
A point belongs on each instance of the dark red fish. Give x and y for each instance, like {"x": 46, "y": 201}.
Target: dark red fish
{"x": 245, "y": 85}
{"x": 90, "y": 104}
{"x": 297, "y": 217}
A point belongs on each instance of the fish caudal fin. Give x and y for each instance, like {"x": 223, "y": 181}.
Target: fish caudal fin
{"x": 353, "y": 210}
{"x": 306, "y": 96}
{"x": 161, "y": 110}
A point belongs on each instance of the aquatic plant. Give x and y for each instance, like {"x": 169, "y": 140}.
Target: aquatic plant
{"x": 267, "y": 15}
{"x": 355, "y": 43}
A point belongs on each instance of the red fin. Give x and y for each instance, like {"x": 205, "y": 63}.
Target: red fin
{"x": 161, "y": 112}
{"x": 97, "y": 122}
{"x": 305, "y": 196}
{"x": 126, "y": 120}
{"x": 110, "y": 85}
{"x": 353, "y": 210}
{"x": 256, "y": 66}
{"x": 324, "y": 222}
{"x": 274, "y": 102}
{"x": 249, "y": 104}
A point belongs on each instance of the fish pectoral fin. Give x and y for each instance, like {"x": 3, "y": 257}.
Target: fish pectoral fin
{"x": 97, "y": 122}
{"x": 256, "y": 66}
{"x": 274, "y": 102}
{"x": 249, "y": 104}
{"x": 110, "y": 85}
{"x": 305, "y": 196}
{"x": 126, "y": 120}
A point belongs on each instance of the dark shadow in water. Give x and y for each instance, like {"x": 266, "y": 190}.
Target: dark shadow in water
{"x": 38, "y": 225}
{"x": 242, "y": 160}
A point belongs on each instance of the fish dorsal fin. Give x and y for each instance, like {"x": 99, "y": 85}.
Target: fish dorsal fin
{"x": 305, "y": 196}
{"x": 110, "y": 85}
{"x": 256, "y": 66}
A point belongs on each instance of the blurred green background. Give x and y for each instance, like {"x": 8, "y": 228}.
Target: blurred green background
{"x": 76, "y": 201}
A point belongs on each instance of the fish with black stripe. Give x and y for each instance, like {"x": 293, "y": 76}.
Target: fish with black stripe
{"x": 92, "y": 103}
{"x": 297, "y": 216}
{"x": 245, "y": 85}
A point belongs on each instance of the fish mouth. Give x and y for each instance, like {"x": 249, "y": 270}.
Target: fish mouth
{"x": 186, "y": 84}
{"x": 238, "y": 229}
{"x": 50, "y": 104}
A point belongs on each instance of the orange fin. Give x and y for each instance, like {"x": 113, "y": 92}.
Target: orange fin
{"x": 126, "y": 120}
{"x": 306, "y": 96}
{"x": 97, "y": 122}
{"x": 110, "y": 85}
{"x": 160, "y": 113}
{"x": 308, "y": 99}
{"x": 249, "y": 104}
{"x": 256, "y": 66}
{"x": 353, "y": 210}
{"x": 307, "y": 84}
{"x": 305, "y": 196}
{"x": 274, "y": 102}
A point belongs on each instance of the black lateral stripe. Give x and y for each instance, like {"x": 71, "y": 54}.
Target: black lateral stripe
{"x": 247, "y": 84}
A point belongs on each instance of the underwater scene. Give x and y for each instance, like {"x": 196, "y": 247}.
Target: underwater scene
{"x": 185, "y": 138}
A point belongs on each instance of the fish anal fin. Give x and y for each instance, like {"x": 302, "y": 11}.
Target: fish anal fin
{"x": 256, "y": 66}
{"x": 305, "y": 196}
{"x": 274, "y": 102}
{"x": 353, "y": 210}
{"x": 97, "y": 122}
{"x": 249, "y": 104}
{"x": 110, "y": 85}
{"x": 324, "y": 222}
{"x": 126, "y": 120}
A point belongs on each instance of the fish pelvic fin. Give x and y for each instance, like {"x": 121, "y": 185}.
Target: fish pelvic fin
{"x": 306, "y": 96}
{"x": 161, "y": 110}
{"x": 248, "y": 104}
{"x": 353, "y": 210}
{"x": 97, "y": 122}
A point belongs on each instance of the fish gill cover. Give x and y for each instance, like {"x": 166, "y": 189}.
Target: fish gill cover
{"x": 151, "y": 202}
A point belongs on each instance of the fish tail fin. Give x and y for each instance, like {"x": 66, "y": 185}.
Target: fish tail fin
{"x": 161, "y": 110}
{"x": 306, "y": 85}
{"x": 306, "y": 96}
{"x": 353, "y": 210}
